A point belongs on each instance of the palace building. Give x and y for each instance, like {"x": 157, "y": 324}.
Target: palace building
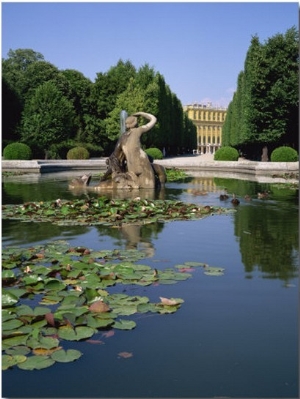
{"x": 209, "y": 121}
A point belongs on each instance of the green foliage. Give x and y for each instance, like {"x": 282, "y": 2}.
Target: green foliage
{"x": 174, "y": 174}
{"x": 109, "y": 212}
{"x": 226, "y": 153}
{"x": 155, "y": 153}
{"x": 17, "y": 151}
{"x": 15, "y": 66}
{"x": 78, "y": 153}
{"x": 11, "y": 112}
{"x": 33, "y": 338}
{"x": 284, "y": 154}
{"x": 264, "y": 109}
{"x": 47, "y": 108}
{"x": 48, "y": 118}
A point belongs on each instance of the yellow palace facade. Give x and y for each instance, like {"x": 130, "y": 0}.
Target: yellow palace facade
{"x": 209, "y": 121}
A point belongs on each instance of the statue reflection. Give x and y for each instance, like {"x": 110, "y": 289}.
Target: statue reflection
{"x": 132, "y": 235}
{"x": 145, "y": 193}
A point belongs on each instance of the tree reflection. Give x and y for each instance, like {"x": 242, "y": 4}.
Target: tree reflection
{"x": 268, "y": 240}
{"x": 16, "y": 233}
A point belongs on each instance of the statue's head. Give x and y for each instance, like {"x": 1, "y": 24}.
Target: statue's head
{"x": 131, "y": 122}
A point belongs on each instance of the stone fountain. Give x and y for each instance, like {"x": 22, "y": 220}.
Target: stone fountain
{"x": 128, "y": 167}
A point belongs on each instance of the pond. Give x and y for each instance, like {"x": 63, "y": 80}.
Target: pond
{"x": 236, "y": 332}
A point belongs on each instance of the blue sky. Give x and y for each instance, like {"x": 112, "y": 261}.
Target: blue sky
{"x": 198, "y": 47}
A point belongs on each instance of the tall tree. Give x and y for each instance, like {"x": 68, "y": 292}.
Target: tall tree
{"x": 264, "y": 109}
{"x": 79, "y": 95}
{"x": 11, "y": 113}
{"x": 109, "y": 85}
{"x": 48, "y": 119}
{"x": 15, "y": 66}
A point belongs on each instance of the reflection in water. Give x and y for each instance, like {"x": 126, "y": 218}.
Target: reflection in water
{"x": 268, "y": 240}
{"x": 16, "y": 233}
{"x": 132, "y": 235}
{"x": 260, "y": 239}
{"x": 120, "y": 194}
{"x": 267, "y": 230}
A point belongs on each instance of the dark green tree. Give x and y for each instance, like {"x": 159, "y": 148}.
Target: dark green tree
{"x": 15, "y": 66}
{"x": 79, "y": 94}
{"x": 48, "y": 119}
{"x": 264, "y": 110}
{"x": 11, "y": 113}
{"x": 109, "y": 85}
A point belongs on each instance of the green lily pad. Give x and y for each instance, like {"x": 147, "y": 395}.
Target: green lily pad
{"x": 71, "y": 212}
{"x": 194, "y": 264}
{"x": 8, "y": 298}
{"x": 63, "y": 356}
{"x": 54, "y": 284}
{"x": 11, "y": 360}
{"x": 14, "y": 341}
{"x": 8, "y": 274}
{"x": 76, "y": 334}
{"x": 11, "y": 325}
{"x": 99, "y": 322}
{"x": 214, "y": 271}
{"x": 43, "y": 342}
{"x": 36, "y": 363}
{"x": 18, "y": 350}
{"x": 124, "y": 324}
{"x": 82, "y": 277}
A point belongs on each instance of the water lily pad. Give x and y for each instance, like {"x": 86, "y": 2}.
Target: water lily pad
{"x": 8, "y": 274}
{"x": 36, "y": 363}
{"x": 8, "y": 298}
{"x": 14, "y": 341}
{"x": 98, "y": 322}
{"x": 133, "y": 211}
{"x": 194, "y": 264}
{"x": 76, "y": 334}
{"x": 11, "y": 325}
{"x": 74, "y": 279}
{"x": 214, "y": 271}
{"x": 63, "y": 356}
{"x": 54, "y": 284}
{"x": 18, "y": 350}
{"x": 42, "y": 342}
{"x": 11, "y": 360}
{"x": 124, "y": 324}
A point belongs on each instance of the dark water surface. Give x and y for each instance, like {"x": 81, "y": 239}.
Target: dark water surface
{"x": 235, "y": 335}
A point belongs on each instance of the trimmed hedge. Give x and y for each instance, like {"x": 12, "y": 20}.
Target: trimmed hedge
{"x": 17, "y": 151}
{"x": 284, "y": 154}
{"x": 78, "y": 153}
{"x": 226, "y": 153}
{"x": 154, "y": 153}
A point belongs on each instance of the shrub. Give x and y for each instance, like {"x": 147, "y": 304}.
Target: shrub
{"x": 284, "y": 154}
{"x": 17, "y": 151}
{"x": 226, "y": 154}
{"x": 78, "y": 153}
{"x": 155, "y": 153}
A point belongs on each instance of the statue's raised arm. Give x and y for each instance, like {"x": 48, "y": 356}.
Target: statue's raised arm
{"x": 152, "y": 120}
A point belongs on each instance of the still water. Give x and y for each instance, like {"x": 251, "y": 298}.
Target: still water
{"x": 235, "y": 335}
